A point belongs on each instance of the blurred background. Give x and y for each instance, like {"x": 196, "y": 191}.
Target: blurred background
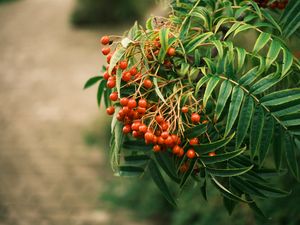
{"x": 54, "y": 140}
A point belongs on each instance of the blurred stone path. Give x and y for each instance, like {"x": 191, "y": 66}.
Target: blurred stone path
{"x": 47, "y": 173}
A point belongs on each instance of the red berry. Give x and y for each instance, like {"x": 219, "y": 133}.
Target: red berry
{"x": 212, "y": 154}
{"x": 184, "y": 109}
{"x": 165, "y": 135}
{"x": 131, "y": 103}
{"x": 133, "y": 71}
{"x": 175, "y": 138}
{"x": 156, "y": 148}
{"x": 164, "y": 126}
{"x": 126, "y": 110}
{"x": 105, "y": 40}
{"x": 160, "y": 140}
{"x": 106, "y": 76}
{"x": 105, "y": 50}
{"x": 141, "y": 110}
{"x": 194, "y": 141}
{"x": 108, "y": 58}
{"x": 159, "y": 119}
{"x": 114, "y": 96}
{"x": 123, "y": 65}
{"x": 171, "y": 51}
{"x": 110, "y": 110}
{"x": 191, "y": 154}
{"x": 169, "y": 141}
{"x": 148, "y": 83}
{"x": 143, "y": 128}
{"x": 176, "y": 149}
{"x": 181, "y": 152}
{"x": 195, "y": 118}
{"x": 124, "y": 101}
{"x": 126, "y": 76}
{"x": 135, "y": 134}
{"x": 111, "y": 83}
{"x": 127, "y": 129}
{"x": 136, "y": 125}
{"x": 143, "y": 103}
{"x": 149, "y": 136}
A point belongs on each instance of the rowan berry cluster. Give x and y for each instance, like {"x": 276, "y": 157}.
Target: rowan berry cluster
{"x": 143, "y": 117}
{"x": 278, "y": 4}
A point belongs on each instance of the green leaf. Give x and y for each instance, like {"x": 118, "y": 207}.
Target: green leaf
{"x": 188, "y": 173}
{"x": 197, "y": 41}
{"x": 164, "y": 40}
{"x": 160, "y": 182}
{"x": 255, "y": 208}
{"x": 242, "y": 28}
{"x": 221, "y": 157}
{"x": 92, "y": 81}
{"x": 256, "y": 130}
{"x": 230, "y": 172}
{"x": 244, "y": 120}
{"x": 241, "y": 56}
{"x": 271, "y": 20}
{"x": 287, "y": 61}
{"x": 265, "y": 83}
{"x": 277, "y": 146}
{"x": 195, "y": 131}
{"x": 281, "y": 97}
{"x": 261, "y": 41}
{"x": 158, "y": 92}
{"x": 224, "y": 93}
{"x": 136, "y": 159}
{"x": 225, "y": 192}
{"x": 246, "y": 187}
{"x": 219, "y": 47}
{"x": 291, "y": 119}
{"x": 130, "y": 171}
{"x": 249, "y": 77}
{"x": 185, "y": 28}
{"x": 116, "y": 143}
{"x": 166, "y": 163}
{"x": 200, "y": 83}
{"x": 229, "y": 205}
{"x": 211, "y": 85}
{"x": 100, "y": 92}
{"x": 266, "y": 138}
{"x": 291, "y": 155}
{"x": 117, "y": 56}
{"x": 273, "y": 53}
{"x": 213, "y": 146}
{"x": 234, "y": 108}
{"x": 269, "y": 191}
{"x": 232, "y": 29}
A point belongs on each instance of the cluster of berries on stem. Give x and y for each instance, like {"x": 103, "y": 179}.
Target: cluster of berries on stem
{"x": 158, "y": 124}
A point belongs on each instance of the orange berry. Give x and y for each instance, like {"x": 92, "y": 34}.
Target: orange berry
{"x": 123, "y": 65}
{"x": 113, "y": 96}
{"x": 110, "y": 110}
{"x": 194, "y": 141}
{"x": 184, "y": 109}
{"x": 195, "y": 118}
{"x": 143, "y": 128}
{"x": 191, "y": 154}
{"x": 176, "y": 149}
{"x": 212, "y": 154}
{"x": 156, "y": 148}
{"x": 148, "y": 83}
{"x": 105, "y": 40}
{"x": 127, "y": 129}
{"x": 143, "y": 103}
{"x": 159, "y": 119}
{"x": 124, "y": 101}
{"x": 171, "y": 51}
{"x": 131, "y": 103}
{"x": 149, "y": 136}
{"x": 105, "y": 50}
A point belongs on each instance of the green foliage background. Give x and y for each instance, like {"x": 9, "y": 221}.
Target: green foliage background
{"x": 106, "y": 12}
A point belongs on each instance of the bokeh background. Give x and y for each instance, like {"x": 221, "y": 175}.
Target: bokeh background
{"x": 54, "y": 140}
